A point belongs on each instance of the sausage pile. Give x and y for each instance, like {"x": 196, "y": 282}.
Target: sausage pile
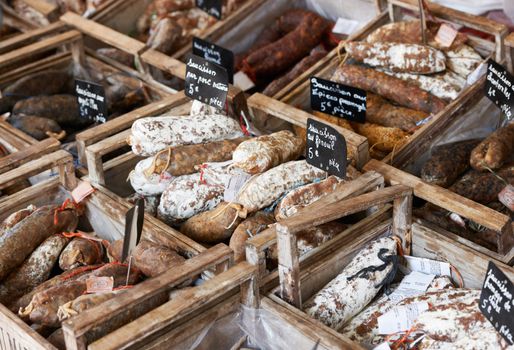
{"x": 48, "y": 268}
{"x": 354, "y": 302}
{"x": 290, "y": 46}
{"x": 477, "y": 170}
{"x": 406, "y": 81}
{"x": 44, "y": 104}
{"x": 193, "y": 161}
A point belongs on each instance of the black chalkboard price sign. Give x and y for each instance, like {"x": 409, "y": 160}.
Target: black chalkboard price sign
{"x": 338, "y": 100}
{"x": 212, "y": 7}
{"x": 206, "y": 82}
{"x": 215, "y": 54}
{"x": 326, "y": 148}
{"x": 91, "y": 101}
{"x": 497, "y": 302}
{"x": 499, "y": 88}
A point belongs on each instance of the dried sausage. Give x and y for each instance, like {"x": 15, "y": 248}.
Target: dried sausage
{"x": 495, "y": 150}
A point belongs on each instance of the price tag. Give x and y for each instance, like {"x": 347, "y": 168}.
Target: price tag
{"x": 99, "y": 285}
{"x": 346, "y": 26}
{"x": 215, "y": 54}
{"x": 446, "y": 35}
{"x": 506, "y": 196}
{"x": 413, "y": 284}
{"x": 212, "y": 7}
{"x": 206, "y": 82}
{"x": 401, "y": 318}
{"x": 426, "y": 266}
{"x": 82, "y": 190}
{"x": 499, "y": 88}
{"x": 234, "y": 185}
{"x": 326, "y": 148}
{"x": 497, "y": 302}
{"x": 339, "y": 100}
{"x": 91, "y": 101}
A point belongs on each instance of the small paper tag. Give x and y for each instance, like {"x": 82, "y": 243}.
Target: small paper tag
{"x": 415, "y": 283}
{"x": 477, "y": 74}
{"x": 83, "y": 190}
{"x": 99, "y": 285}
{"x": 446, "y": 35}
{"x": 401, "y": 318}
{"x": 234, "y": 185}
{"x": 506, "y": 196}
{"x": 426, "y": 266}
{"x": 242, "y": 81}
{"x": 383, "y": 346}
{"x": 346, "y": 26}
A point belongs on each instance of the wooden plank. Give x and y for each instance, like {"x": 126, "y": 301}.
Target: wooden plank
{"x": 357, "y": 143}
{"x": 103, "y": 33}
{"x": 164, "y": 63}
{"x": 509, "y": 54}
{"x": 9, "y": 132}
{"x": 30, "y": 153}
{"x": 183, "y": 304}
{"x": 134, "y": 302}
{"x": 45, "y": 8}
{"x": 29, "y": 37}
{"x": 40, "y": 46}
{"x": 288, "y": 266}
{"x": 402, "y": 221}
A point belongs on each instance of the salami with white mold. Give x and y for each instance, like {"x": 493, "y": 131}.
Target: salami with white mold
{"x": 264, "y": 189}
{"x": 355, "y": 287}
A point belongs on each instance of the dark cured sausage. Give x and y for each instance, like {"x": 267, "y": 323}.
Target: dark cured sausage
{"x": 278, "y": 56}
{"x": 402, "y": 92}
{"x": 495, "y": 150}
{"x": 153, "y": 259}
{"x": 20, "y": 241}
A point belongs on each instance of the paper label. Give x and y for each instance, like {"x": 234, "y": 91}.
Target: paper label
{"x": 426, "y": 266}
{"x": 446, "y": 35}
{"x": 338, "y": 100}
{"x": 234, "y": 185}
{"x": 400, "y": 318}
{"x": 326, "y": 148}
{"x": 99, "y": 285}
{"x": 346, "y": 26}
{"x": 242, "y": 81}
{"x": 497, "y": 302}
{"x": 506, "y": 196}
{"x": 83, "y": 190}
{"x": 415, "y": 283}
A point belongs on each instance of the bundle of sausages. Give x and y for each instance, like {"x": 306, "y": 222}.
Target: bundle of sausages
{"x": 406, "y": 81}
{"x": 46, "y": 270}
{"x": 478, "y": 170}
{"x": 44, "y": 104}
{"x": 290, "y": 46}
{"x": 196, "y": 161}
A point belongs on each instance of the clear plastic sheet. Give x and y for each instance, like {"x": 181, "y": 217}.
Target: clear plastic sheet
{"x": 252, "y": 328}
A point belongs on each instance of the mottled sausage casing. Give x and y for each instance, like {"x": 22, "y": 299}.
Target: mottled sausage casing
{"x": 16, "y": 217}
{"x": 495, "y": 150}
{"x": 34, "y": 270}
{"x": 153, "y": 259}
{"x": 405, "y": 58}
{"x": 44, "y": 305}
{"x": 38, "y": 127}
{"x": 303, "y": 196}
{"x": 380, "y": 111}
{"x": 166, "y": 36}
{"x": 265, "y": 152}
{"x": 447, "y": 163}
{"x": 20, "y": 241}
{"x": 344, "y": 297}
{"x": 82, "y": 303}
{"x": 216, "y": 225}
{"x": 187, "y": 196}
{"x": 280, "y": 55}
{"x": 402, "y": 92}
{"x": 81, "y": 252}
{"x": 247, "y": 229}
{"x": 264, "y": 189}
{"x": 380, "y": 137}
{"x": 151, "y": 135}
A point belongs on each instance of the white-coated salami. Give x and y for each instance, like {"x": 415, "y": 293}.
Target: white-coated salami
{"x": 154, "y": 134}
{"x": 187, "y": 196}
{"x": 348, "y": 293}
{"x": 463, "y": 60}
{"x": 264, "y": 189}
{"x": 265, "y": 152}
{"x": 406, "y": 58}
{"x": 152, "y": 185}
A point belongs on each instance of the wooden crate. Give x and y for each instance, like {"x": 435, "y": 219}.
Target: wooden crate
{"x": 76, "y": 54}
{"x": 106, "y": 216}
{"x": 509, "y": 54}
{"x": 417, "y": 143}
{"x": 463, "y": 207}
{"x": 298, "y": 283}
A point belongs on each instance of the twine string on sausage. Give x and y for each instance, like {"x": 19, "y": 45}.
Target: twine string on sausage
{"x": 68, "y": 204}
{"x": 241, "y": 212}
{"x": 152, "y": 169}
{"x": 494, "y": 173}
{"x": 388, "y": 279}
{"x": 340, "y": 47}
{"x": 97, "y": 242}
